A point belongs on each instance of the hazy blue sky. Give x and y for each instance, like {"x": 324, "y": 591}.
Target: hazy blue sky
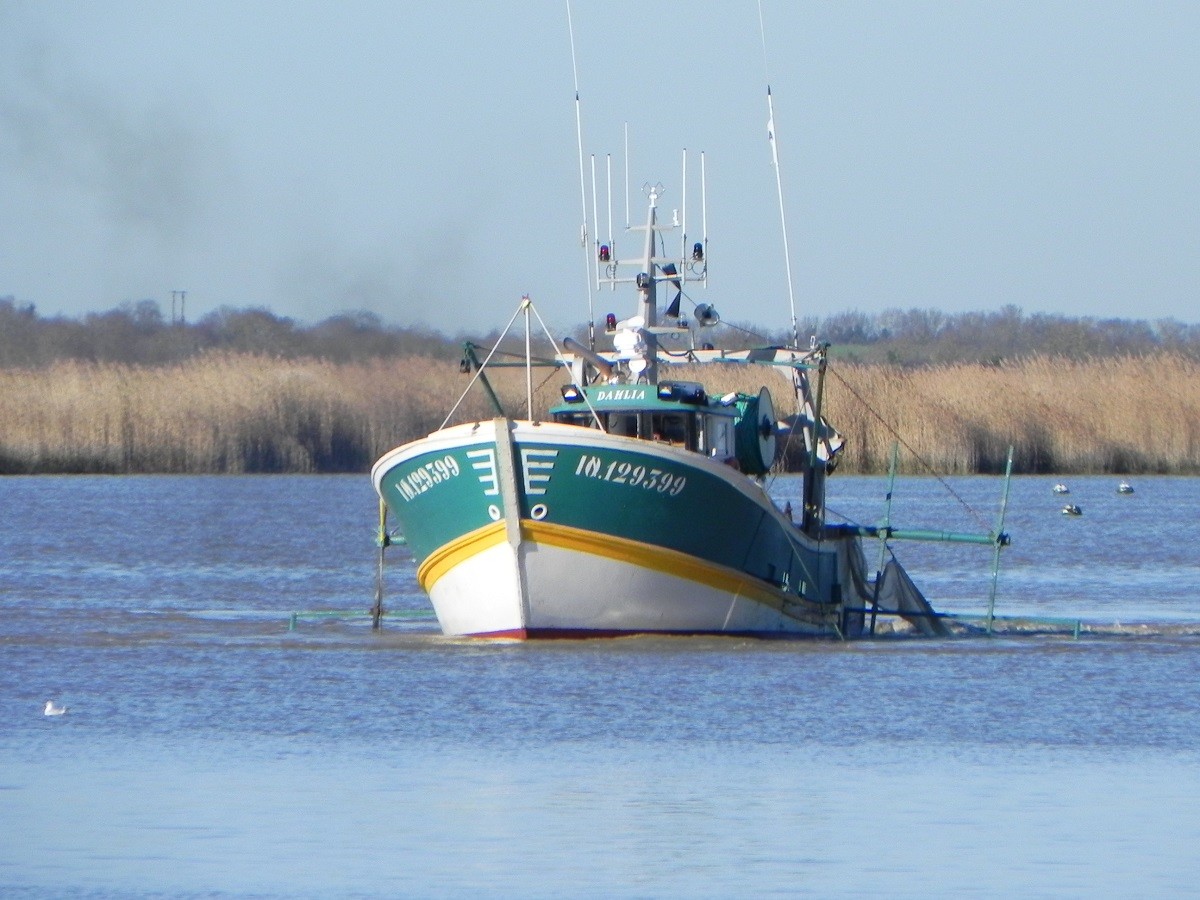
{"x": 419, "y": 160}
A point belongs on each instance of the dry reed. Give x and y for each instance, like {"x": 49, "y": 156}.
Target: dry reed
{"x": 1126, "y": 415}
{"x": 234, "y": 413}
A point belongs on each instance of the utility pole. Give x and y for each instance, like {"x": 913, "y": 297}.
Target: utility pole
{"x": 181, "y": 296}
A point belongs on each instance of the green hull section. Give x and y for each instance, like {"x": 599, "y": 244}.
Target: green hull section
{"x": 441, "y": 489}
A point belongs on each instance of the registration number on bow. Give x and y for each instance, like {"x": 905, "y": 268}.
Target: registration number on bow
{"x": 621, "y": 471}
{"x": 421, "y": 479}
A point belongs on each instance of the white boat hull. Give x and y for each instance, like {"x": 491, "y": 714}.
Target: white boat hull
{"x": 519, "y": 531}
{"x": 541, "y": 590}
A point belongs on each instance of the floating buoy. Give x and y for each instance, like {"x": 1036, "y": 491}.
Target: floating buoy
{"x": 53, "y": 709}
{"x": 1061, "y": 488}
{"x": 1072, "y": 510}
{"x": 1124, "y": 488}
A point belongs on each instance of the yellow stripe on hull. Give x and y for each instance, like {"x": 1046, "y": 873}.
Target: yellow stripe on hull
{"x": 659, "y": 559}
{"x": 446, "y": 557}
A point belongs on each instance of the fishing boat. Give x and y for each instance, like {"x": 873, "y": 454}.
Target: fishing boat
{"x": 640, "y": 503}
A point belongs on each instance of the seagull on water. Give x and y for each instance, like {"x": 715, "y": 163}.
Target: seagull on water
{"x": 53, "y": 709}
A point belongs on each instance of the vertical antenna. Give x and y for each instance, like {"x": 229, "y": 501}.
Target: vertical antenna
{"x": 583, "y": 235}
{"x": 787, "y": 256}
{"x": 626, "y": 176}
{"x": 611, "y": 243}
{"x": 704, "y": 216}
{"x": 683, "y": 234}
{"x": 595, "y": 221}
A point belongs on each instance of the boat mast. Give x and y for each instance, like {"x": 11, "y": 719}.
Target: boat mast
{"x": 648, "y": 292}
{"x": 583, "y": 232}
{"x": 787, "y": 255}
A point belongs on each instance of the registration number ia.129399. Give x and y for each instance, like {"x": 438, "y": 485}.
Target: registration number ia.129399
{"x": 426, "y": 476}
{"x": 621, "y": 471}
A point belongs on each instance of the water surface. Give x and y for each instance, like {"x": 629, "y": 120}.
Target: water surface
{"x": 212, "y": 749}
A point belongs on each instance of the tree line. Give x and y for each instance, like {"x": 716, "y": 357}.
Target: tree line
{"x": 917, "y": 337}
{"x": 139, "y": 334}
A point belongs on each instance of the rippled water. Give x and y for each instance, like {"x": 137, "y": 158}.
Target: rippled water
{"x": 211, "y": 748}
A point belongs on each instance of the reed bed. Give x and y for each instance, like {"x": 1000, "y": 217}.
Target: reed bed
{"x": 1125, "y": 415}
{"x": 225, "y": 413}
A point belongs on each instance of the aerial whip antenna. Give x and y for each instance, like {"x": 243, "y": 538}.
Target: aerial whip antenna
{"x": 787, "y": 256}
{"x": 583, "y": 230}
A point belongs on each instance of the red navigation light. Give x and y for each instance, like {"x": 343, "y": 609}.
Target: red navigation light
{"x": 605, "y": 255}
{"x": 698, "y": 252}
{"x": 610, "y": 322}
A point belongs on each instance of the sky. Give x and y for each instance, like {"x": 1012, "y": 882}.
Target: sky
{"x": 420, "y": 160}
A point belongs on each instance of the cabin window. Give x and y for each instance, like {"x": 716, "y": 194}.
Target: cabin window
{"x": 676, "y": 428}
{"x": 624, "y": 424}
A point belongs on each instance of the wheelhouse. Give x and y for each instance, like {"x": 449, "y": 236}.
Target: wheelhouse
{"x": 677, "y": 413}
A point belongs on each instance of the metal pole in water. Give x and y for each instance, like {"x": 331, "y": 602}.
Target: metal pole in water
{"x": 383, "y": 541}
{"x": 999, "y": 540}
{"x": 887, "y": 524}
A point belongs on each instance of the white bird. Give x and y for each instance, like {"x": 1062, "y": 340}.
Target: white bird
{"x": 53, "y": 709}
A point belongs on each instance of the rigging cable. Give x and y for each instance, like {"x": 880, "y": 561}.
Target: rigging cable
{"x": 925, "y": 463}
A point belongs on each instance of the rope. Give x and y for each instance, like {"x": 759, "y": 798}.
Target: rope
{"x": 924, "y": 463}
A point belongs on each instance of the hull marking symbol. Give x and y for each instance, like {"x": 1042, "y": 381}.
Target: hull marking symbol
{"x": 484, "y": 462}
{"x": 538, "y": 466}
